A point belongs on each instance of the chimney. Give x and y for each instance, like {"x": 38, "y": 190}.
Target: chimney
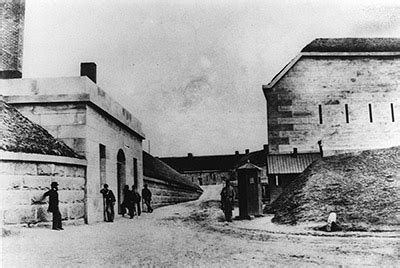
{"x": 247, "y": 151}
{"x": 294, "y": 152}
{"x": 236, "y": 152}
{"x": 12, "y": 17}
{"x": 89, "y": 69}
{"x": 266, "y": 149}
{"x": 321, "y": 151}
{"x": 190, "y": 155}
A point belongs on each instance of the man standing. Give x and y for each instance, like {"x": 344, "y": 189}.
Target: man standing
{"x": 109, "y": 199}
{"x": 146, "y": 194}
{"x": 227, "y": 200}
{"x": 53, "y": 205}
{"x": 136, "y": 200}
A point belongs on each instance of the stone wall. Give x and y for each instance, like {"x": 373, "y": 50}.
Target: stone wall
{"x": 333, "y": 99}
{"x": 26, "y": 177}
{"x": 165, "y": 193}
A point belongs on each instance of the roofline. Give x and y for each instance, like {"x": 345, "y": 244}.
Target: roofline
{"x": 67, "y": 89}
{"x": 71, "y": 98}
{"x": 279, "y": 76}
{"x": 21, "y": 156}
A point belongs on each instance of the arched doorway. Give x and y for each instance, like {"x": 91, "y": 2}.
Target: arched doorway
{"x": 121, "y": 177}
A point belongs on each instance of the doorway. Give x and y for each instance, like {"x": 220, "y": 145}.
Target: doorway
{"x": 121, "y": 177}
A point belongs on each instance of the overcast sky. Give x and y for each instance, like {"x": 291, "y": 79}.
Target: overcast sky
{"x": 191, "y": 71}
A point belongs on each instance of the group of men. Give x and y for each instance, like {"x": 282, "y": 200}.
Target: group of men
{"x": 131, "y": 199}
{"x": 131, "y": 202}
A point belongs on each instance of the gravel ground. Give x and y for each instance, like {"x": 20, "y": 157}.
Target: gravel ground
{"x": 190, "y": 235}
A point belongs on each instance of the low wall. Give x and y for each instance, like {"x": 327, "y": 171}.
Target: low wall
{"x": 168, "y": 193}
{"x": 24, "y": 178}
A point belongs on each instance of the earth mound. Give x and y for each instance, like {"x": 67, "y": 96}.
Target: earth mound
{"x": 362, "y": 188}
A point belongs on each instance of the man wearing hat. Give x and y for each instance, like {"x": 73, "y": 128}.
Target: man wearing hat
{"x": 53, "y": 205}
{"x": 227, "y": 200}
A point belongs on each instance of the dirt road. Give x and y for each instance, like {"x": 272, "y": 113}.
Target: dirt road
{"x": 188, "y": 235}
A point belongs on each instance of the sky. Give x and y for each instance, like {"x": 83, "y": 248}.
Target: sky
{"x": 191, "y": 71}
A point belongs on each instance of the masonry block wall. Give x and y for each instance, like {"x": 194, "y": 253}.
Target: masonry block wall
{"x": 349, "y": 103}
{"x": 168, "y": 193}
{"x": 23, "y": 183}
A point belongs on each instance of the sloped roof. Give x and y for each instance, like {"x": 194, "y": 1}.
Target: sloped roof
{"x": 353, "y": 45}
{"x": 19, "y": 134}
{"x": 289, "y": 164}
{"x": 249, "y": 165}
{"x": 155, "y": 168}
{"x": 208, "y": 162}
{"x": 337, "y": 46}
{"x": 257, "y": 158}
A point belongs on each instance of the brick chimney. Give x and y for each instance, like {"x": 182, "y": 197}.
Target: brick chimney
{"x": 321, "y": 151}
{"x": 266, "y": 149}
{"x": 12, "y": 15}
{"x": 294, "y": 152}
{"x": 89, "y": 69}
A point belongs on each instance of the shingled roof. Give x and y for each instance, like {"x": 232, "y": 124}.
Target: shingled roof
{"x": 155, "y": 168}
{"x": 19, "y": 134}
{"x": 353, "y": 45}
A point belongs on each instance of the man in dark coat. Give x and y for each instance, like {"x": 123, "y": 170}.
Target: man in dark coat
{"x": 53, "y": 205}
{"x": 146, "y": 194}
{"x": 125, "y": 204}
{"x": 136, "y": 200}
{"x": 227, "y": 200}
{"x": 109, "y": 200}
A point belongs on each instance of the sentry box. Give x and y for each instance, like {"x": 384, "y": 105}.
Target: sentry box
{"x": 249, "y": 189}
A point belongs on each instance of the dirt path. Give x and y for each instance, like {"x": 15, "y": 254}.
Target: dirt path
{"x": 181, "y": 236}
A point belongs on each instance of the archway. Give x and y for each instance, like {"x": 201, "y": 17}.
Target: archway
{"x": 121, "y": 177}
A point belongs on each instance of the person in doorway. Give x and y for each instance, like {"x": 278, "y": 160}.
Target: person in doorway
{"x": 125, "y": 203}
{"x": 146, "y": 194}
{"x": 109, "y": 200}
{"x": 227, "y": 200}
{"x": 136, "y": 200}
{"x": 53, "y": 205}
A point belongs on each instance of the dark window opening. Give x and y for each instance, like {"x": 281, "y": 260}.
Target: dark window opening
{"x": 135, "y": 173}
{"x": 392, "y": 110}
{"x": 320, "y": 113}
{"x": 370, "y": 113}
{"x": 346, "y": 107}
{"x": 102, "y": 152}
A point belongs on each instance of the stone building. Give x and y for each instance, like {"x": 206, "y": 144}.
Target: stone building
{"x": 30, "y": 159}
{"x": 76, "y": 111}
{"x": 166, "y": 184}
{"x": 343, "y": 92}
{"x": 206, "y": 169}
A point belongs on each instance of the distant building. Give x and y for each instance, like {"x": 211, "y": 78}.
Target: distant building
{"x": 207, "y": 169}
{"x": 343, "y": 92}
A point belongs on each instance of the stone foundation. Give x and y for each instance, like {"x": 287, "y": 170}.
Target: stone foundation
{"x": 26, "y": 177}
